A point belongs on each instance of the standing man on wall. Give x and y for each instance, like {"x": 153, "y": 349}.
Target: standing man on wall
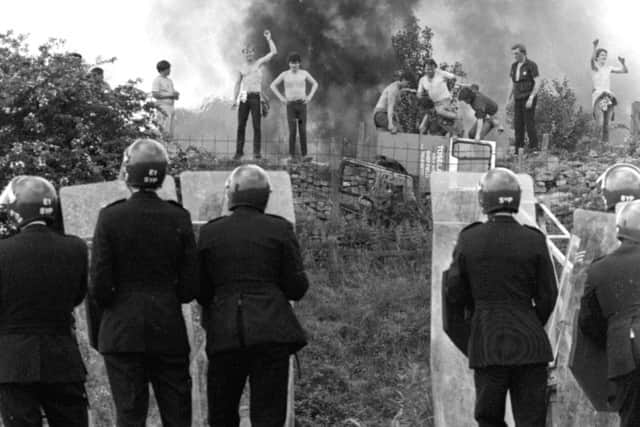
{"x": 44, "y": 276}
{"x": 143, "y": 268}
{"x": 502, "y": 271}
{"x": 250, "y": 81}
{"x": 165, "y": 95}
{"x": 610, "y": 314}
{"x": 296, "y": 99}
{"x": 525, "y": 84}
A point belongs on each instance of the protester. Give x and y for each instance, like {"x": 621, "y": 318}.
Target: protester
{"x": 525, "y": 84}
{"x": 485, "y": 110}
{"x": 248, "y": 92}
{"x": 165, "y": 95}
{"x": 296, "y": 99}
{"x": 602, "y": 98}
{"x": 384, "y": 114}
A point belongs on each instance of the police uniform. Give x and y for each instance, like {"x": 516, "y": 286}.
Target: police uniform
{"x": 502, "y": 270}
{"x": 610, "y": 315}
{"x": 43, "y": 276}
{"x": 250, "y": 267}
{"x": 143, "y": 268}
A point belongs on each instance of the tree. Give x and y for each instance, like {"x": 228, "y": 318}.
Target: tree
{"x": 57, "y": 122}
{"x": 413, "y": 47}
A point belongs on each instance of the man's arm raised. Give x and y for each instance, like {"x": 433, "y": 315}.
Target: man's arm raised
{"x": 272, "y": 49}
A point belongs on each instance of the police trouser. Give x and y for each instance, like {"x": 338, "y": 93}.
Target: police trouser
{"x": 129, "y": 377}
{"x": 267, "y": 367}
{"x": 64, "y": 404}
{"x": 628, "y": 398}
{"x": 527, "y": 387}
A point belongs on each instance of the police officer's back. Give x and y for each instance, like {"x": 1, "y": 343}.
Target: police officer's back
{"x": 250, "y": 268}
{"x": 143, "y": 268}
{"x": 610, "y": 313}
{"x": 502, "y": 270}
{"x": 43, "y": 276}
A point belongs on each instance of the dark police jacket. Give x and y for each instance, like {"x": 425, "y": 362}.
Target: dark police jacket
{"x": 143, "y": 267}
{"x": 503, "y": 270}
{"x": 610, "y": 306}
{"x": 43, "y": 276}
{"x": 250, "y": 267}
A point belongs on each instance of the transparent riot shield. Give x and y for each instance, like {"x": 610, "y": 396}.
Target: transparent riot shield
{"x": 579, "y": 376}
{"x": 454, "y": 203}
{"x": 81, "y": 205}
{"x": 203, "y": 194}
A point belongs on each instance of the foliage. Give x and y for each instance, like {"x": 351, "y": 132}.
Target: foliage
{"x": 57, "y": 122}
{"x": 413, "y": 47}
{"x": 559, "y": 115}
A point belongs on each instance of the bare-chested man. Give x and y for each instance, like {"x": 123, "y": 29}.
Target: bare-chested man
{"x": 384, "y": 113}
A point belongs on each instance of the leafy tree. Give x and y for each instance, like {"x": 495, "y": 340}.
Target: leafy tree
{"x": 412, "y": 45}
{"x": 57, "y": 122}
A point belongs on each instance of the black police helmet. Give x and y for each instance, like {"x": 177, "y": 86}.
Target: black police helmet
{"x": 30, "y": 198}
{"x": 248, "y": 185}
{"x": 145, "y": 164}
{"x": 628, "y": 222}
{"x": 499, "y": 191}
{"x": 619, "y": 183}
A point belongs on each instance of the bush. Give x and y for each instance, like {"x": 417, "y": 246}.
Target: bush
{"x": 57, "y": 122}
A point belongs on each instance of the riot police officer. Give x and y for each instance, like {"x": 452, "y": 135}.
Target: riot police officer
{"x": 619, "y": 183}
{"x": 143, "y": 268}
{"x": 44, "y": 276}
{"x": 610, "y": 313}
{"x": 250, "y": 267}
{"x": 503, "y": 272}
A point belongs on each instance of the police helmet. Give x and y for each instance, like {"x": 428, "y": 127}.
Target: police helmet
{"x": 248, "y": 185}
{"x": 628, "y": 222}
{"x": 30, "y": 198}
{"x": 499, "y": 191}
{"x": 145, "y": 164}
{"x": 619, "y": 183}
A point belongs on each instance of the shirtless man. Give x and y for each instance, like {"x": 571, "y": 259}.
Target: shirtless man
{"x": 296, "y": 98}
{"x": 250, "y": 81}
{"x": 384, "y": 113}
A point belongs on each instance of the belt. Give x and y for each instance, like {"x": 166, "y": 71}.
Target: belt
{"x": 253, "y": 93}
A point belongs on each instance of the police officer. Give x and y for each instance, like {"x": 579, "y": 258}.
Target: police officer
{"x": 143, "y": 268}
{"x": 619, "y": 183}
{"x": 44, "y": 276}
{"x": 502, "y": 270}
{"x": 610, "y": 313}
{"x": 250, "y": 267}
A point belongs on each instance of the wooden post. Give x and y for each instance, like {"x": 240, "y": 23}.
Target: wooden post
{"x": 545, "y": 142}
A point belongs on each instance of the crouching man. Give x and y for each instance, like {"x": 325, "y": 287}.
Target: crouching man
{"x": 502, "y": 270}
{"x": 44, "y": 276}
{"x": 251, "y": 268}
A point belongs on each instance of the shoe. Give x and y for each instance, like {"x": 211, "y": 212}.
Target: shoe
{"x": 237, "y": 157}
{"x": 257, "y": 156}
{"x": 307, "y": 159}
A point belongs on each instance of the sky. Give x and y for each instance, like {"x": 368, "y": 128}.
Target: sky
{"x": 202, "y": 38}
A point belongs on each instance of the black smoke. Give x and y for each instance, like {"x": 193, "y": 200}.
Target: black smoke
{"x": 345, "y": 45}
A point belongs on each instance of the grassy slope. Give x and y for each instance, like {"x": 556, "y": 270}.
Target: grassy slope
{"x": 367, "y": 362}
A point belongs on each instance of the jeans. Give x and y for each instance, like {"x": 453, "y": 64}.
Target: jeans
{"x": 252, "y": 104}
{"x": 297, "y": 114}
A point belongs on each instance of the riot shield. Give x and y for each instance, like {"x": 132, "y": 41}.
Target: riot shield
{"x": 454, "y": 204}
{"x": 579, "y": 375}
{"x": 203, "y": 194}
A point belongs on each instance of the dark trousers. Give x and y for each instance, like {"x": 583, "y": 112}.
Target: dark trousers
{"x": 628, "y": 397}
{"x": 297, "y": 115}
{"x": 64, "y": 404}
{"x": 267, "y": 367}
{"x": 525, "y": 118}
{"x": 527, "y": 385}
{"x": 252, "y": 105}
{"x": 129, "y": 377}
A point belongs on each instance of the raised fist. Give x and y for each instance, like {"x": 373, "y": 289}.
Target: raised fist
{"x": 621, "y": 59}
{"x": 267, "y": 34}
{"x": 596, "y": 41}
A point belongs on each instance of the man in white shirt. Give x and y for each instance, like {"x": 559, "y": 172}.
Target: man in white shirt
{"x": 296, "y": 98}
{"x": 434, "y": 84}
{"x": 384, "y": 116}
{"x": 165, "y": 95}
{"x": 247, "y": 92}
